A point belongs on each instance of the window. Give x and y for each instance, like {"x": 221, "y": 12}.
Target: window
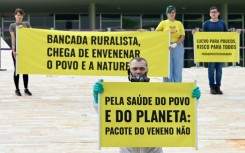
{"x": 193, "y": 17}
{"x": 42, "y": 21}
{"x": 111, "y": 21}
{"x": 235, "y": 17}
{"x": 66, "y": 21}
{"x": 84, "y": 21}
{"x": 150, "y": 21}
{"x": 131, "y": 22}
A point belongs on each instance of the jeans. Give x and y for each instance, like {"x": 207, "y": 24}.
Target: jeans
{"x": 212, "y": 67}
{"x": 176, "y": 64}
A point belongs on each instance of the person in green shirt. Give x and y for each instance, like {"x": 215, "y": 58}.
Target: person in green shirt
{"x": 19, "y": 14}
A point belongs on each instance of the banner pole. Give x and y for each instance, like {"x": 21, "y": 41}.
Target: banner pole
{"x": 196, "y": 148}
{"x": 99, "y": 147}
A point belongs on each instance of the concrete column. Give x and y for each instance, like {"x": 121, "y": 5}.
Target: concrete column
{"x": 92, "y": 16}
{"x": 224, "y": 12}
{"x": 224, "y": 16}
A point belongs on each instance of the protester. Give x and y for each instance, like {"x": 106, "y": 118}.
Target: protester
{"x": 177, "y": 36}
{"x": 214, "y": 68}
{"x": 19, "y": 14}
{"x": 138, "y": 69}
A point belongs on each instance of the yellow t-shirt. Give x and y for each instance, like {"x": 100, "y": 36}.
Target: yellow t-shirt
{"x": 176, "y": 29}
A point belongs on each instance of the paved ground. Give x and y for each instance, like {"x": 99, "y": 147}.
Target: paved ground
{"x": 60, "y": 118}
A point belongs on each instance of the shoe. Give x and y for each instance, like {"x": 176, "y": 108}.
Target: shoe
{"x": 17, "y": 92}
{"x": 213, "y": 91}
{"x": 27, "y": 92}
{"x": 218, "y": 91}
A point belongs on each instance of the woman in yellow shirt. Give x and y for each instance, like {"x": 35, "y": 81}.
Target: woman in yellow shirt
{"x": 177, "y": 31}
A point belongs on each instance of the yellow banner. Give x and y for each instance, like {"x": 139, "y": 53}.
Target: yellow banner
{"x": 216, "y": 47}
{"x": 147, "y": 115}
{"x": 90, "y": 53}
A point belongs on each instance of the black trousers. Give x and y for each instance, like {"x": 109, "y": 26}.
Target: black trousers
{"x": 17, "y": 76}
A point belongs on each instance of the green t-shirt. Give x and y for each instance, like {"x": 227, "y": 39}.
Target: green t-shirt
{"x": 12, "y": 27}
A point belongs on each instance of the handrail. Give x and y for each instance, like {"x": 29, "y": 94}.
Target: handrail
{"x": 6, "y": 49}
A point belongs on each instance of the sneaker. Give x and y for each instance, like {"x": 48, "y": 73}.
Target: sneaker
{"x": 213, "y": 91}
{"x": 218, "y": 91}
{"x": 17, "y": 92}
{"x": 27, "y": 92}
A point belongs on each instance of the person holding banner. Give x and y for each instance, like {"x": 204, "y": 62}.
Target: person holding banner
{"x": 177, "y": 31}
{"x": 19, "y": 14}
{"x": 138, "y": 69}
{"x": 215, "y": 68}
{"x": 214, "y": 25}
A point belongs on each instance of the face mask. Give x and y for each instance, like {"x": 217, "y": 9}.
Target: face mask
{"x": 140, "y": 79}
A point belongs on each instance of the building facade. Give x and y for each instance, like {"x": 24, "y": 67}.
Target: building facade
{"x": 94, "y": 18}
